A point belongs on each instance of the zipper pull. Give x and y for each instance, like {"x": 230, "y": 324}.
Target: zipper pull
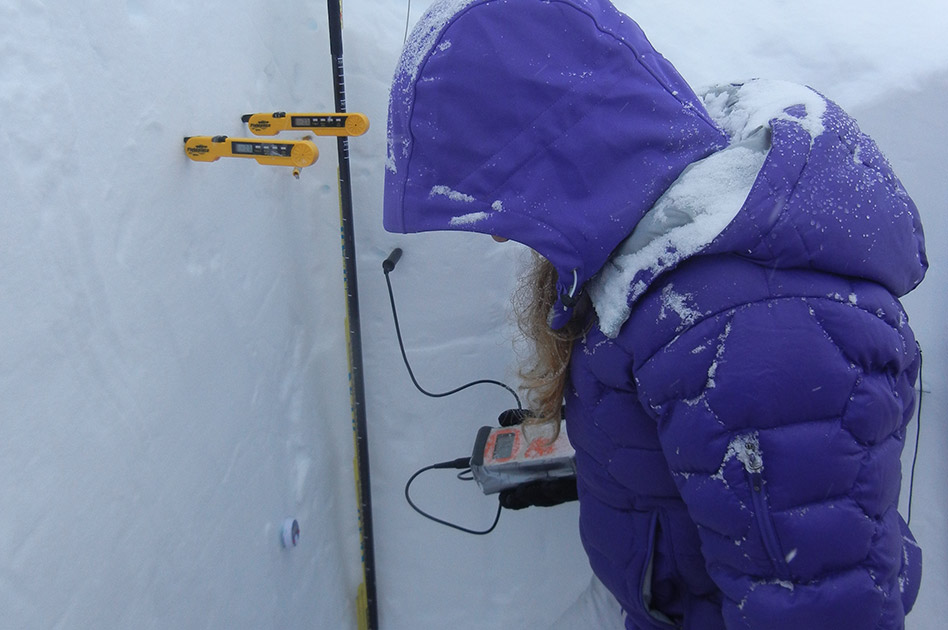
{"x": 753, "y": 462}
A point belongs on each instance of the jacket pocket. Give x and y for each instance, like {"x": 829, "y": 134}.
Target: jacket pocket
{"x": 657, "y": 617}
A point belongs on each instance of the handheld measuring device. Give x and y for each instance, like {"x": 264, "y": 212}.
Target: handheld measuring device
{"x": 296, "y": 153}
{"x": 341, "y": 124}
{"x": 510, "y": 456}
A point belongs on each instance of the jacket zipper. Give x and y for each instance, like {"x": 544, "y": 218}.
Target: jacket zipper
{"x": 754, "y": 464}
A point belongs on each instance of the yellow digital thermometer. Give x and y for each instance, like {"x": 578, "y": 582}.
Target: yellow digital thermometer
{"x": 318, "y": 124}
{"x": 297, "y": 153}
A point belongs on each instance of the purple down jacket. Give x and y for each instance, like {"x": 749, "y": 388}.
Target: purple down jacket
{"x": 739, "y": 404}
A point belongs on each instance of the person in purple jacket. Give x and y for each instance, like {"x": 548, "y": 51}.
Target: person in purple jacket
{"x": 718, "y": 306}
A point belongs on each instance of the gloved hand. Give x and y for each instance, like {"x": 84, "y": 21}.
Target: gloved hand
{"x": 545, "y": 493}
{"x": 513, "y": 417}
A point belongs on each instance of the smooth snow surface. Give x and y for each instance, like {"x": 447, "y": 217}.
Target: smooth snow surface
{"x": 173, "y": 371}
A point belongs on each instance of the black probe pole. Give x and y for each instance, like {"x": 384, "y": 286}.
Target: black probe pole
{"x": 367, "y": 607}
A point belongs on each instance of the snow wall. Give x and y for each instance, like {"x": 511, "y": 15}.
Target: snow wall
{"x": 173, "y": 371}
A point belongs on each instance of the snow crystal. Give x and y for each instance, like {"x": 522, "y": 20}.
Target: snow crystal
{"x": 426, "y": 33}
{"x": 852, "y": 298}
{"x": 713, "y": 369}
{"x": 390, "y": 161}
{"x": 678, "y": 304}
{"x": 782, "y": 583}
{"x": 467, "y": 219}
{"x": 453, "y": 195}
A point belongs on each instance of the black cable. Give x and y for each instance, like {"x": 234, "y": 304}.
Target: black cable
{"x": 463, "y": 462}
{"x": 407, "y": 20}
{"x": 398, "y": 333}
{"x": 918, "y": 429}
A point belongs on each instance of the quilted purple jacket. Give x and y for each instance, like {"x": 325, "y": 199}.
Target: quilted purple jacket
{"x": 739, "y": 404}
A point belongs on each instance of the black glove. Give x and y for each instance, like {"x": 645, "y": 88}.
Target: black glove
{"x": 545, "y": 493}
{"x": 513, "y": 417}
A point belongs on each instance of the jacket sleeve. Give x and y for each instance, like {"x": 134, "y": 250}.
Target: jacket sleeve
{"x": 782, "y": 420}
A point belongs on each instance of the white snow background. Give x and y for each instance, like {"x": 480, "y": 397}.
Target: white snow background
{"x": 173, "y": 376}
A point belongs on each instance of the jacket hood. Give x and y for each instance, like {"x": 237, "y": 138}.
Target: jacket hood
{"x": 553, "y": 123}
{"x": 799, "y": 188}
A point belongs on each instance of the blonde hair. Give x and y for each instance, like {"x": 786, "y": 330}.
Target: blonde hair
{"x": 546, "y": 371}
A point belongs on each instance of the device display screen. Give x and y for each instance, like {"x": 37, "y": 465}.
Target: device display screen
{"x": 503, "y": 446}
{"x": 318, "y": 121}
{"x": 244, "y": 148}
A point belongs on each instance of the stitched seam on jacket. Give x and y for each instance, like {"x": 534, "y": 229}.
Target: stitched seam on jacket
{"x": 734, "y": 308}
